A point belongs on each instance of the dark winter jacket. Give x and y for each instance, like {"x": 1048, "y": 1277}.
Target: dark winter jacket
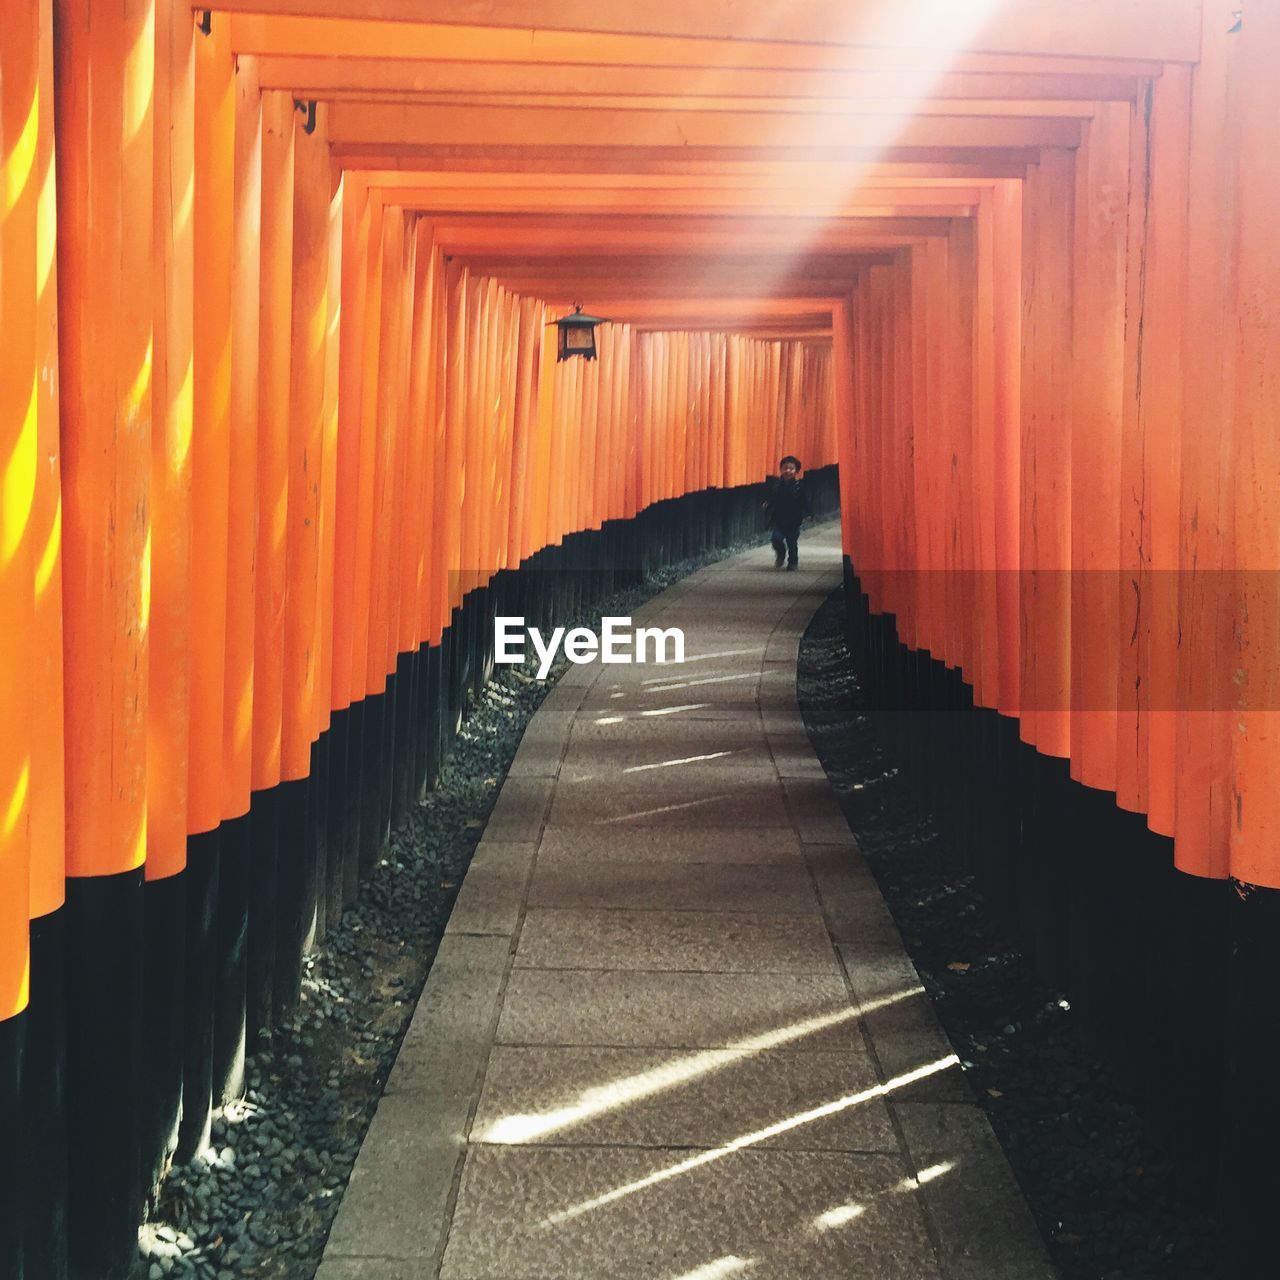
{"x": 786, "y": 502}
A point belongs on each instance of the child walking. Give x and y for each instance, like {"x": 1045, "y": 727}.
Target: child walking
{"x": 787, "y": 505}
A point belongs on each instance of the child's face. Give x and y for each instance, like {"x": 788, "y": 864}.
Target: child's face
{"x": 790, "y": 470}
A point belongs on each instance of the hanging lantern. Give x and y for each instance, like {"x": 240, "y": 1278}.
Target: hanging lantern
{"x": 577, "y": 335}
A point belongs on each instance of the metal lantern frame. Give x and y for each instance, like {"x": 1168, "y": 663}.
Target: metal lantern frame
{"x": 576, "y": 335}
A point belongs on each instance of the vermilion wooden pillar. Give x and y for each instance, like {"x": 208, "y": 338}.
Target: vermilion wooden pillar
{"x": 105, "y": 245}
{"x": 211, "y": 484}
{"x": 169, "y": 590}
{"x": 19, "y": 117}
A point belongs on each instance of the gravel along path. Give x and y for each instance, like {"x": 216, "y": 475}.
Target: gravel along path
{"x": 1104, "y": 1199}
{"x": 262, "y": 1201}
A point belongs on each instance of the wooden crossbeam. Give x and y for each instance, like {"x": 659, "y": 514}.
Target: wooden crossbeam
{"x": 483, "y": 170}
{"x": 783, "y": 201}
{"x": 432, "y": 126}
{"x": 1167, "y": 30}
{"x": 870, "y": 179}
{"x": 987, "y": 162}
{"x": 334, "y": 77}
{"x": 705, "y": 268}
{"x": 834, "y": 107}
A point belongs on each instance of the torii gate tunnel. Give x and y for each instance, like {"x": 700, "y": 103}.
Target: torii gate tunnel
{"x": 282, "y": 428}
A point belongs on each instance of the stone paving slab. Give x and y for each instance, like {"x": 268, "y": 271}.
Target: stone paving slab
{"x": 673, "y": 886}
{"x": 370, "y": 1268}
{"x": 724, "y": 846}
{"x": 536, "y": 759}
{"x": 550, "y": 725}
{"x": 706, "y": 683}
{"x": 979, "y": 1212}
{"x": 685, "y": 777}
{"x": 396, "y": 1204}
{"x": 671, "y": 1032}
{"x": 814, "y": 811}
{"x": 448, "y": 1039}
{"x": 725, "y": 690}
{"x": 933, "y": 1129}
{"x": 686, "y": 734}
{"x": 630, "y": 763}
{"x": 695, "y": 1010}
{"x": 520, "y": 809}
{"x": 639, "y": 790}
{"x": 688, "y": 941}
{"x": 794, "y": 759}
{"x": 670, "y": 806}
{"x": 494, "y": 890}
{"x": 675, "y": 713}
{"x": 536, "y": 1214}
{"x": 656, "y": 1098}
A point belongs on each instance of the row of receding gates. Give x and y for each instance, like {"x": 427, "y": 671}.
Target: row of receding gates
{"x": 260, "y": 439}
{"x": 269, "y": 461}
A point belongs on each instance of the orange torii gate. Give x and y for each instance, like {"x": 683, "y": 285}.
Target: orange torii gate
{"x": 278, "y": 407}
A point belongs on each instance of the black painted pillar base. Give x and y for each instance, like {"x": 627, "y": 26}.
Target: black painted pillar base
{"x": 164, "y": 910}
{"x": 201, "y": 945}
{"x": 482, "y": 667}
{"x": 264, "y": 839}
{"x": 104, "y": 1013}
{"x": 404, "y": 748}
{"x": 237, "y": 879}
{"x": 44, "y": 1103}
{"x": 1250, "y": 1187}
{"x": 351, "y": 807}
{"x": 1059, "y": 888}
{"x": 427, "y": 762}
{"x": 373, "y": 766}
{"x": 457, "y": 674}
{"x": 1199, "y": 910}
{"x": 335, "y": 800}
{"x": 294, "y": 853}
{"x": 13, "y": 1039}
{"x": 392, "y": 697}
{"x": 1005, "y": 829}
{"x": 438, "y": 708}
{"x": 315, "y": 888}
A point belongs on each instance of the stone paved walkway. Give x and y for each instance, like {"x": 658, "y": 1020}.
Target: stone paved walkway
{"x": 671, "y": 1032}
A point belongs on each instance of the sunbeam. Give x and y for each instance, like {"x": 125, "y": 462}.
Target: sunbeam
{"x": 608, "y": 1097}
{"x": 752, "y": 1139}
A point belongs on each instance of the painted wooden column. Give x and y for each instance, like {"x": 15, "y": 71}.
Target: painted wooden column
{"x": 348, "y": 769}
{"x": 240, "y": 212}
{"x": 1048, "y": 212}
{"x": 169, "y": 590}
{"x": 1202, "y": 800}
{"x": 1155, "y": 471}
{"x": 45, "y": 1170}
{"x": 1098, "y": 406}
{"x": 19, "y": 194}
{"x": 210, "y": 487}
{"x": 274, "y": 371}
{"x": 106, "y": 262}
{"x": 275, "y": 305}
{"x": 334, "y": 729}
{"x": 298, "y": 870}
